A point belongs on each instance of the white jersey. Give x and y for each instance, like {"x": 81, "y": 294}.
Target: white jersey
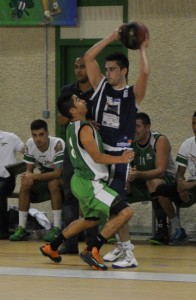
{"x": 186, "y": 156}
{"x": 45, "y": 161}
{"x": 10, "y": 143}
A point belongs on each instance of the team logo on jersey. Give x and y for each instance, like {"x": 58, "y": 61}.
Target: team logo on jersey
{"x": 148, "y": 156}
{"x": 125, "y": 142}
{"x": 112, "y": 105}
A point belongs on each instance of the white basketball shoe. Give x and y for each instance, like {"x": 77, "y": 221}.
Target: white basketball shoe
{"x": 128, "y": 260}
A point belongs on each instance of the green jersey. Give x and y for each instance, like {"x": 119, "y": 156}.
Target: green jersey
{"x": 84, "y": 166}
{"x": 145, "y": 157}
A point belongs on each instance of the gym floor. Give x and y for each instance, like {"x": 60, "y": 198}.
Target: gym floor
{"x": 164, "y": 272}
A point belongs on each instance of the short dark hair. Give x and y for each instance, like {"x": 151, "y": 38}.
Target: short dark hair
{"x": 144, "y": 117}
{"x": 64, "y": 103}
{"x": 121, "y": 60}
{"x": 39, "y": 124}
{"x": 194, "y": 115}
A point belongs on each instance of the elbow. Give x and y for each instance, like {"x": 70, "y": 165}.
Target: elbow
{"x": 161, "y": 173}
{"x": 97, "y": 161}
{"x": 87, "y": 57}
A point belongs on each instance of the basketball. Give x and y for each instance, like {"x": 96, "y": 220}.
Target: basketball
{"x": 132, "y": 34}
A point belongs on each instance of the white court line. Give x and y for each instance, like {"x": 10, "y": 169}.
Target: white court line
{"x": 98, "y": 274}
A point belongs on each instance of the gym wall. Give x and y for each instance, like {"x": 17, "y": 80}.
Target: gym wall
{"x": 27, "y": 78}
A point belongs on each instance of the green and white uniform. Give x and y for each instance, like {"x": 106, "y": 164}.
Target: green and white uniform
{"x": 88, "y": 183}
{"x": 45, "y": 162}
{"x": 186, "y": 157}
{"x": 145, "y": 160}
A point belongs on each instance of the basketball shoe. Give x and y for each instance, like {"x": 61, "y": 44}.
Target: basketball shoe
{"x": 179, "y": 237}
{"x": 53, "y": 255}
{"x": 55, "y": 11}
{"x": 19, "y": 235}
{"x": 127, "y": 261}
{"x": 93, "y": 259}
{"x": 116, "y": 253}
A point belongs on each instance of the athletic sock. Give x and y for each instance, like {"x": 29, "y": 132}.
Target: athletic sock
{"x": 23, "y": 218}
{"x": 47, "y": 13}
{"x": 175, "y": 223}
{"x": 159, "y": 213}
{"x": 98, "y": 243}
{"x": 57, "y": 241}
{"x": 126, "y": 245}
{"x": 55, "y": 5}
{"x": 57, "y": 215}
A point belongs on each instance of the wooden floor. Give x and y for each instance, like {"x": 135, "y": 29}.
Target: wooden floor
{"x": 164, "y": 272}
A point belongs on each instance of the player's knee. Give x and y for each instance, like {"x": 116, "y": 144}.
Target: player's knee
{"x": 53, "y": 183}
{"x": 91, "y": 222}
{"x": 153, "y": 183}
{"x": 127, "y": 213}
{"x": 160, "y": 190}
{"x": 118, "y": 205}
{"x": 54, "y": 186}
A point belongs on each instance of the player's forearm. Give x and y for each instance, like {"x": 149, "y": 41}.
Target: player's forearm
{"x": 193, "y": 184}
{"x": 179, "y": 176}
{"x": 98, "y": 47}
{"x": 144, "y": 64}
{"x": 101, "y": 158}
{"x": 47, "y": 176}
{"x": 151, "y": 174}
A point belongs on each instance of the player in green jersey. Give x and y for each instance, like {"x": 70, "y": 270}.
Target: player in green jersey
{"x": 88, "y": 184}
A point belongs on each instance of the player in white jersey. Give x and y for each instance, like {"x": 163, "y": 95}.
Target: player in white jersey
{"x": 182, "y": 192}
{"x": 10, "y": 144}
{"x": 46, "y": 154}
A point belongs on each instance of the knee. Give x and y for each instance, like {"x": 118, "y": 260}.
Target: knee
{"x": 152, "y": 184}
{"x": 90, "y": 223}
{"x": 160, "y": 190}
{"x": 128, "y": 212}
{"x": 54, "y": 186}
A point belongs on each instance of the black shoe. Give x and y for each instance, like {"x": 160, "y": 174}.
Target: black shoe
{"x": 4, "y": 236}
{"x": 67, "y": 248}
{"x": 161, "y": 237}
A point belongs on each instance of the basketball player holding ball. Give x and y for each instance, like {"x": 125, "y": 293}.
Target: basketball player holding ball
{"x": 115, "y": 105}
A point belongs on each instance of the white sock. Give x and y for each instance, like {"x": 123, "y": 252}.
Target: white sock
{"x": 55, "y": 5}
{"x": 175, "y": 224}
{"x": 126, "y": 245}
{"x": 118, "y": 241}
{"x": 57, "y": 215}
{"x": 47, "y": 13}
{"x": 23, "y": 218}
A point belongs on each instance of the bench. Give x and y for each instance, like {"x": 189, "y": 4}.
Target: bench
{"x": 20, "y": 167}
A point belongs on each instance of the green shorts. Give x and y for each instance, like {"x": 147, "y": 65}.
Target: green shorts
{"x": 94, "y": 196}
{"x": 140, "y": 191}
